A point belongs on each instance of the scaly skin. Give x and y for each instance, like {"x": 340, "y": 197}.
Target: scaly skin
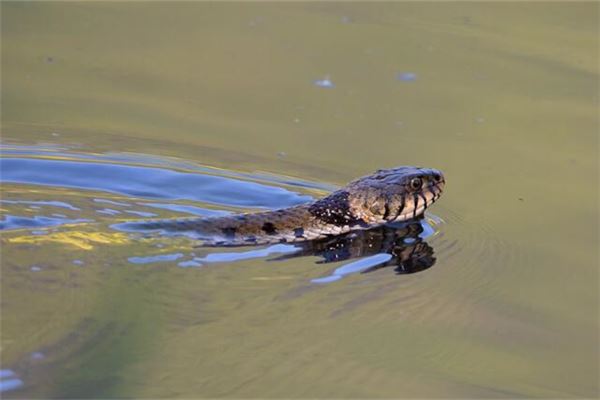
{"x": 388, "y": 195}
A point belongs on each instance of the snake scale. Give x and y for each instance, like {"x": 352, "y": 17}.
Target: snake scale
{"x": 389, "y": 195}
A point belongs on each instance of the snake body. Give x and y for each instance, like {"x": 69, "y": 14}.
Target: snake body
{"x": 388, "y": 195}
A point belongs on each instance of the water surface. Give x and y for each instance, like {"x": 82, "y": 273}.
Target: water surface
{"x": 121, "y": 111}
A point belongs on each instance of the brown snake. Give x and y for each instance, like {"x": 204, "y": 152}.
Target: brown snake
{"x": 388, "y": 195}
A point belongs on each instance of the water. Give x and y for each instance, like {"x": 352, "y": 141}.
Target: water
{"x": 122, "y": 111}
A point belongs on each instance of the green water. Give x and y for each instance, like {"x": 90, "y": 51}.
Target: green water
{"x": 504, "y": 101}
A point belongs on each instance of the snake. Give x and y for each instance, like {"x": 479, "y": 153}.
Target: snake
{"x": 387, "y": 196}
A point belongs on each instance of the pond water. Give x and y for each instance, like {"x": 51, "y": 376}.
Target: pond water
{"x": 116, "y": 112}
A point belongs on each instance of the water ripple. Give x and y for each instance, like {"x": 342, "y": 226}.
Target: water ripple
{"x": 147, "y": 183}
{"x": 38, "y": 221}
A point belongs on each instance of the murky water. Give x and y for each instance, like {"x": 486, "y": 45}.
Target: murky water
{"x": 122, "y": 111}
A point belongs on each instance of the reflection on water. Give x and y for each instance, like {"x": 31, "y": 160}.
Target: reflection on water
{"x": 38, "y": 221}
{"x": 9, "y": 380}
{"x": 501, "y": 97}
{"x": 94, "y": 193}
{"x": 203, "y": 212}
{"x": 42, "y": 203}
{"x": 153, "y": 259}
{"x": 141, "y": 190}
{"x": 400, "y": 246}
{"x": 355, "y": 267}
{"x": 230, "y": 256}
{"x": 144, "y": 182}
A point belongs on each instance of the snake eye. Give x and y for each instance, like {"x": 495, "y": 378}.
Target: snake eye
{"x": 416, "y": 183}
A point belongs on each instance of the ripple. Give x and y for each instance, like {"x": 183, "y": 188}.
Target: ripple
{"x": 38, "y": 221}
{"x": 167, "y": 183}
{"x": 114, "y": 203}
{"x": 63, "y": 153}
{"x": 108, "y": 211}
{"x": 6, "y": 373}
{"x": 155, "y": 259}
{"x": 147, "y": 183}
{"x": 10, "y": 384}
{"x": 246, "y": 255}
{"x": 61, "y": 204}
{"x": 187, "y": 209}
{"x": 141, "y": 213}
{"x": 355, "y": 267}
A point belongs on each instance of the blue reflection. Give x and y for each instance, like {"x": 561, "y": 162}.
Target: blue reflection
{"x": 245, "y": 255}
{"x": 39, "y": 221}
{"x": 154, "y": 259}
{"x": 146, "y": 182}
{"x": 153, "y": 161}
{"x": 324, "y": 83}
{"x": 42, "y": 203}
{"x": 407, "y": 76}
{"x": 355, "y": 267}
{"x": 108, "y": 211}
{"x": 140, "y": 213}
{"x": 189, "y": 264}
{"x": 10, "y": 384}
{"x": 203, "y": 212}
{"x": 428, "y": 229}
{"x": 216, "y": 257}
{"x": 6, "y": 373}
{"x": 9, "y": 381}
{"x": 114, "y": 203}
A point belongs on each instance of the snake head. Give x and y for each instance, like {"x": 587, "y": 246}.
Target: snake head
{"x": 395, "y": 194}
